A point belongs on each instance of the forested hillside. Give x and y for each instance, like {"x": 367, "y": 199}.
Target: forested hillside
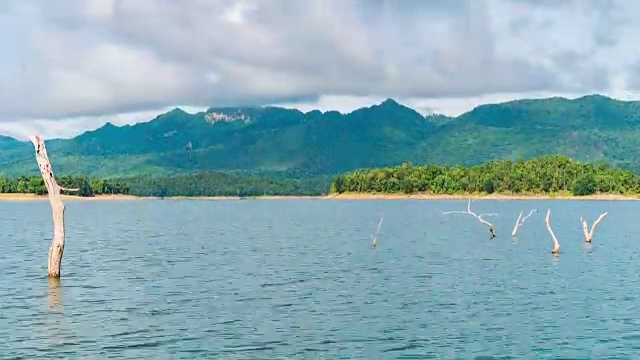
{"x": 276, "y": 140}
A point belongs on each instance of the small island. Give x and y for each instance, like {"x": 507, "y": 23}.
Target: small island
{"x": 549, "y": 176}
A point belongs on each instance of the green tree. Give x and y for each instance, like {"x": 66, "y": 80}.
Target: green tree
{"x": 584, "y": 185}
{"x": 542, "y": 175}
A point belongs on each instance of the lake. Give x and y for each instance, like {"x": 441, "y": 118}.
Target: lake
{"x": 298, "y": 279}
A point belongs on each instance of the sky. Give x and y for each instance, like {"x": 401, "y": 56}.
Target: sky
{"x": 72, "y": 65}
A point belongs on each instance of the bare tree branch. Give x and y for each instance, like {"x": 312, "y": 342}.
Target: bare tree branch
{"x": 515, "y": 229}
{"x": 69, "y": 190}
{"x": 588, "y": 235}
{"x": 479, "y": 217}
{"x": 529, "y": 215}
{"x": 521, "y": 221}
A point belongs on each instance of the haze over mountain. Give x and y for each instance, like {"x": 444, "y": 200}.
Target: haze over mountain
{"x": 272, "y": 139}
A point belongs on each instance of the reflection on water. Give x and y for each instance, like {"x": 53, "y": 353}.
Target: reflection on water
{"x": 55, "y": 330}
{"x": 55, "y": 295}
{"x": 198, "y": 280}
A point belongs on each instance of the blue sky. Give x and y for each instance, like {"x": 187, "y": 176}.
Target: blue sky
{"x": 71, "y": 65}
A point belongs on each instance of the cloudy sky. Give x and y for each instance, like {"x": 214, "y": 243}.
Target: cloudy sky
{"x": 71, "y": 65}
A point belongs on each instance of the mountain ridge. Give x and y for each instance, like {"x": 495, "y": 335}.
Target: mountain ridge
{"x": 388, "y": 100}
{"x": 272, "y": 139}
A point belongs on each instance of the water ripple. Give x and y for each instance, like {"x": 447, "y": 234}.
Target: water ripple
{"x": 298, "y": 279}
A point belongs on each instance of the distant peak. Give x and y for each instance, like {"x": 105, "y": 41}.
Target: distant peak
{"x": 594, "y": 97}
{"x": 390, "y": 102}
{"x": 178, "y": 110}
{"x": 171, "y": 113}
{"x": 314, "y": 112}
{"x": 392, "y": 105}
{"x": 107, "y": 126}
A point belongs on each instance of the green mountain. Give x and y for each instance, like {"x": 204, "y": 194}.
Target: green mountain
{"x": 278, "y": 140}
{"x": 7, "y": 143}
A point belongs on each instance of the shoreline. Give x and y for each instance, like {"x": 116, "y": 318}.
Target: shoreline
{"x": 381, "y": 196}
{"x": 121, "y": 197}
{"x": 344, "y": 196}
{"x": 34, "y": 197}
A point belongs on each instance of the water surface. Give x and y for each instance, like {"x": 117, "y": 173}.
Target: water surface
{"x": 297, "y": 279}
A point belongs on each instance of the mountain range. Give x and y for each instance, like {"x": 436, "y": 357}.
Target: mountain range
{"x": 288, "y": 141}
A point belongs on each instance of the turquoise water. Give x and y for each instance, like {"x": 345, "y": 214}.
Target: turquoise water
{"x": 298, "y": 279}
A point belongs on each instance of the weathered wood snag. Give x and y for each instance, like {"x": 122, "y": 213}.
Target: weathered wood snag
{"x": 556, "y": 245}
{"x": 479, "y": 217}
{"x": 520, "y": 222}
{"x": 588, "y": 235}
{"x": 57, "y": 206}
{"x": 374, "y": 238}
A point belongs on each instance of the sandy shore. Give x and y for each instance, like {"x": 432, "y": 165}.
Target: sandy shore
{"x": 359, "y": 196}
{"x": 346, "y": 196}
{"x": 32, "y": 197}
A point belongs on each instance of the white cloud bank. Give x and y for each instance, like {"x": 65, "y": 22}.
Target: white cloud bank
{"x": 72, "y": 65}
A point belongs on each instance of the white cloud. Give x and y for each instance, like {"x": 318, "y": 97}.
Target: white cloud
{"x": 79, "y": 63}
{"x": 69, "y": 127}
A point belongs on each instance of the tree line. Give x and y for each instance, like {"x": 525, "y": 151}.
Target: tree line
{"x": 543, "y": 175}
{"x": 86, "y": 186}
{"x": 198, "y": 184}
{"x": 228, "y": 184}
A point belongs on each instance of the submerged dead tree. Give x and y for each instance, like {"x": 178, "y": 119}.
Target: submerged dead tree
{"x": 374, "y": 238}
{"x": 556, "y": 244}
{"x": 57, "y": 206}
{"x": 521, "y": 220}
{"x": 479, "y": 217}
{"x": 588, "y": 235}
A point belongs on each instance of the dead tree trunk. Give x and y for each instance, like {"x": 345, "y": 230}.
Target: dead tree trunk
{"x": 556, "y": 244}
{"x": 57, "y": 206}
{"x": 515, "y": 229}
{"x": 374, "y": 238}
{"x": 588, "y": 235}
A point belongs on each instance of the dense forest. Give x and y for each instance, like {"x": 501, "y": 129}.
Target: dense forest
{"x": 85, "y": 186}
{"x": 227, "y": 184}
{"x": 201, "y": 184}
{"x": 543, "y": 175}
